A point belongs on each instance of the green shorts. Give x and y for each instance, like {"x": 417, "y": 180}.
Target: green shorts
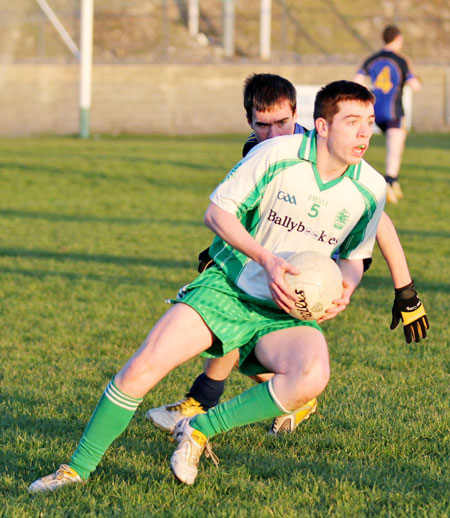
{"x": 236, "y": 319}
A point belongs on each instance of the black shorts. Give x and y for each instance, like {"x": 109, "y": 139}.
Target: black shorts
{"x": 394, "y": 123}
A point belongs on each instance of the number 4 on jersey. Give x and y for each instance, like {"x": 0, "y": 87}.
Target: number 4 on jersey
{"x": 383, "y": 81}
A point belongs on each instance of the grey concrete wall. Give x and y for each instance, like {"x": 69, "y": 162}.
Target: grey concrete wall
{"x": 168, "y": 99}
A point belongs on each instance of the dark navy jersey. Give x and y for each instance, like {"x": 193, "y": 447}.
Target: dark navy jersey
{"x": 251, "y": 141}
{"x": 388, "y": 72}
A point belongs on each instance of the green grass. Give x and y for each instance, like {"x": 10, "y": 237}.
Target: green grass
{"x": 96, "y": 235}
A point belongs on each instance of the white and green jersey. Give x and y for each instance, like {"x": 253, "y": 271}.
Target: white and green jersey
{"x": 279, "y": 197}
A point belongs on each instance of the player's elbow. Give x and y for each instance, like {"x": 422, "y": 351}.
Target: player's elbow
{"x": 208, "y": 218}
{"x": 217, "y": 219}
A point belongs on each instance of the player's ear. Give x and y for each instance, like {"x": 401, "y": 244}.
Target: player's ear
{"x": 321, "y": 126}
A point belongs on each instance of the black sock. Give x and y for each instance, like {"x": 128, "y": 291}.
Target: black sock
{"x": 207, "y": 391}
{"x": 390, "y": 180}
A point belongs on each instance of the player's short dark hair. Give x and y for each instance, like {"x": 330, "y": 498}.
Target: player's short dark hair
{"x": 390, "y": 33}
{"x": 264, "y": 91}
{"x": 328, "y": 98}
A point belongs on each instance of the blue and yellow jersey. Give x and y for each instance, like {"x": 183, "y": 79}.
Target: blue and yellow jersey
{"x": 388, "y": 72}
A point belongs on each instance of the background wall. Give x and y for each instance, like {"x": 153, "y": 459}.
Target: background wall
{"x": 171, "y": 99}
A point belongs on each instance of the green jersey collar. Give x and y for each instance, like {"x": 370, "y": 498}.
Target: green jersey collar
{"x": 308, "y": 151}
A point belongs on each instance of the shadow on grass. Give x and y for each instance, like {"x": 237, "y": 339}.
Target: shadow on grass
{"x": 12, "y": 213}
{"x": 47, "y": 434}
{"x": 145, "y": 450}
{"x": 424, "y": 140}
{"x": 163, "y": 263}
{"x": 424, "y": 234}
{"x": 388, "y": 476}
{"x": 144, "y": 175}
{"x": 71, "y": 276}
{"x": 428, "y": 174}
{"x": 376, "y": 282}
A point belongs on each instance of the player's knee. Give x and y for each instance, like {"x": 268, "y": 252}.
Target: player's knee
{"x": 312, "y": 380}
{"x": 318, "y": 376}
{"x": 322, "y": 376}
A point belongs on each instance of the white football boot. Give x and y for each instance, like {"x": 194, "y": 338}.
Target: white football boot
{"x": 186, "y": 458}
{"x": 63, "y": 476}
{"x": 167, "y": 416}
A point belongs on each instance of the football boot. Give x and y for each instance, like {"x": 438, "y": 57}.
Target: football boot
{"x": 287, "y": 423}
{"x": 167, "y": 416}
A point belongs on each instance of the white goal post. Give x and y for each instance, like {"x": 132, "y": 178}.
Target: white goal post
{"x": 84, "y": 55}
{"x": 86, "y": 44}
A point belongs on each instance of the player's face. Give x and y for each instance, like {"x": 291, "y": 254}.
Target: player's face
{"x": 349, "y": 133}
{"x": 274, "y": 123}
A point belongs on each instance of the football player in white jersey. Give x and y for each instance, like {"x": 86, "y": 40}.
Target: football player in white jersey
{"x": 270, "y": 103}
{"x": 218, "y": 315}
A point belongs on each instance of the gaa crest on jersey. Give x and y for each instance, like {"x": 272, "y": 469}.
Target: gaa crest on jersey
{"x": 288, "y": 198}
{"x": 341, "y": 219}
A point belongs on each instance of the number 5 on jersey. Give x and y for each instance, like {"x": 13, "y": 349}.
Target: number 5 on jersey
{"x": 314, "y": 210}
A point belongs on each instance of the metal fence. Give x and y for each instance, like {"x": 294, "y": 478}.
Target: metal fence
{"x": 157, "y": 31}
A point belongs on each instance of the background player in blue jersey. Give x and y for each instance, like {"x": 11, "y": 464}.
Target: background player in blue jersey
{"x": 389, "y": 72}
{"x": 270, "y": 103}
{"x": 271, "y": 111}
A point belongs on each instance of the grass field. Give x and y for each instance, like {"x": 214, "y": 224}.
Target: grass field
{"x": 95, "y": 235}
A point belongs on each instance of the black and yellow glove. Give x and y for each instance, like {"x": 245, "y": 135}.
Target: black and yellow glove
{"x": 409, "y": 308}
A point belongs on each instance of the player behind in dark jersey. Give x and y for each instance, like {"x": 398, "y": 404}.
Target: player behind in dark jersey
{"x": 270, "y": 103}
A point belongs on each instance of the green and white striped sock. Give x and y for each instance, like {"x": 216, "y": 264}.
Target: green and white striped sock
{"x": 256, "y": 404}
{"x": 110, "y": 418}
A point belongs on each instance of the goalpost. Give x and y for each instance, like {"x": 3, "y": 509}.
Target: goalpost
{"x": 84, "y": 55}
{"x": 86, "y": 36}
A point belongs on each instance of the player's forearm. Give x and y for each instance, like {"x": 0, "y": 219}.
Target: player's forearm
{"x": 228, "y": 227}
{"x": 360, "y": 78}
{"x": 352, "y": 272}
{"x": 414, "y": 83}
{"x": 392, "y": 250}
